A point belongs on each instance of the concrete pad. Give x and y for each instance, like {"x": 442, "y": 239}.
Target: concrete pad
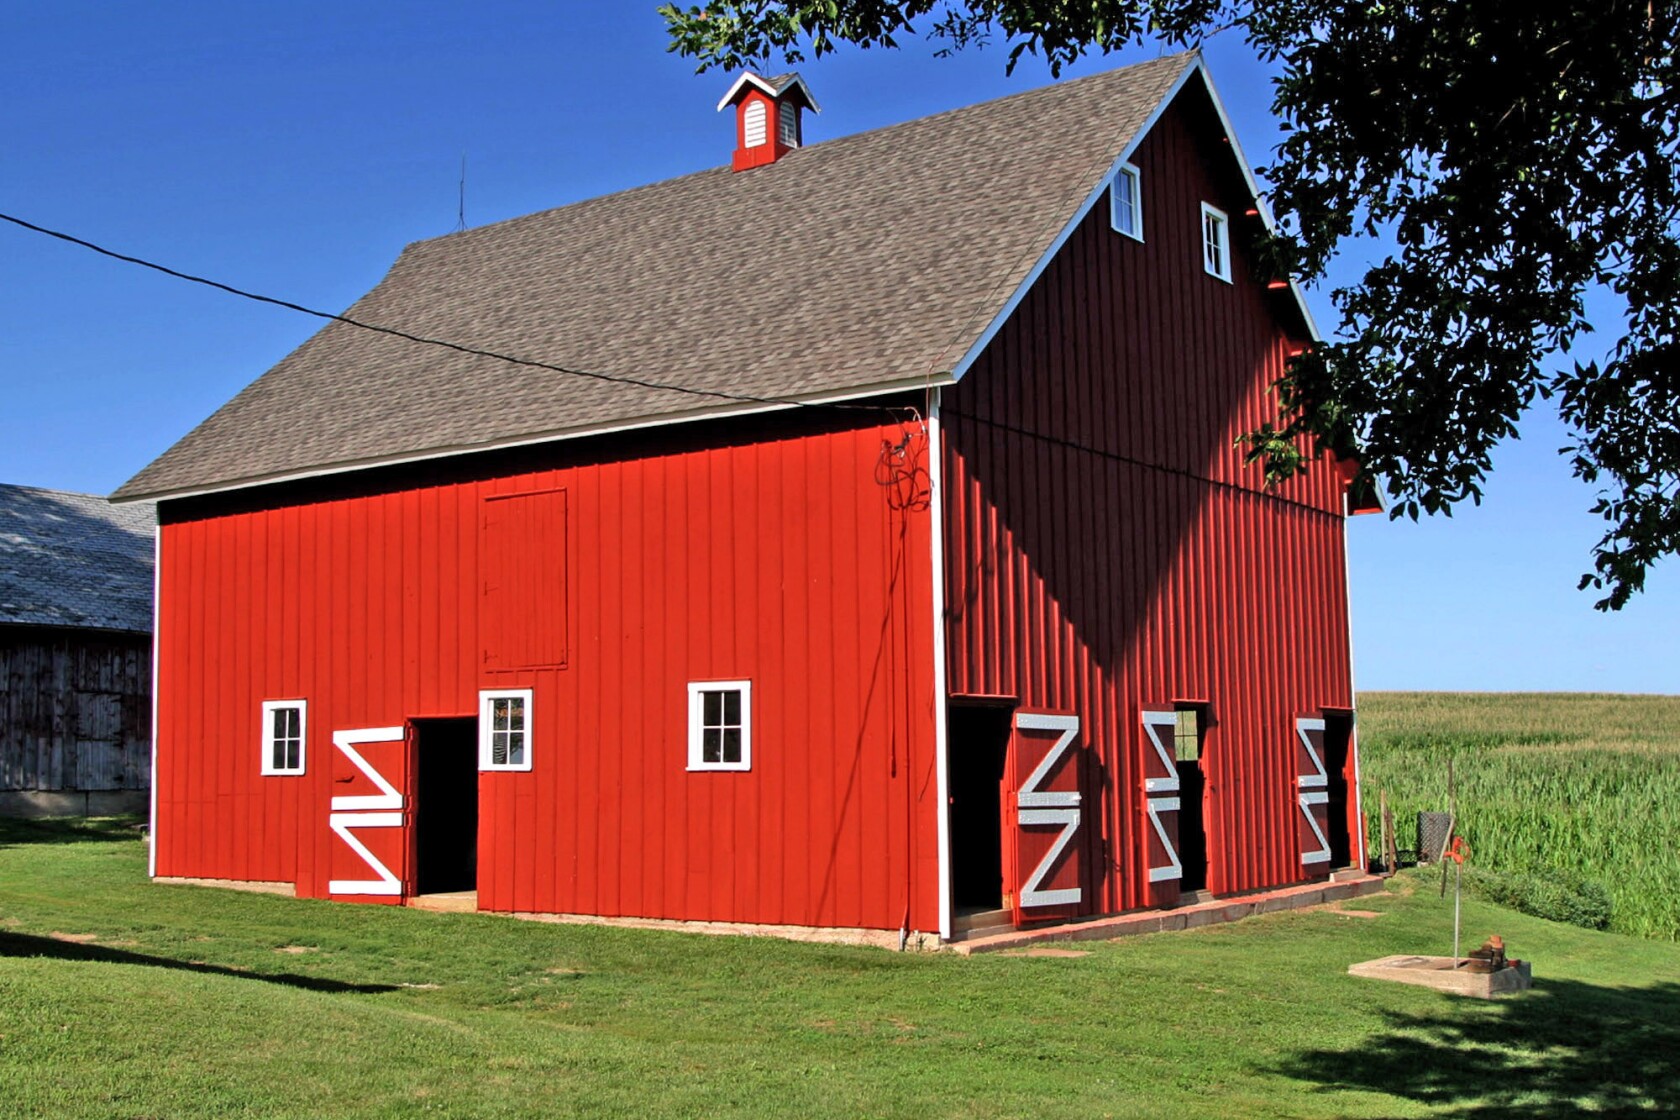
{"x": 1439, "y": 973}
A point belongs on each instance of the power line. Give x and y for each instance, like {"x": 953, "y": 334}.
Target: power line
{"x": 474, "y": 351}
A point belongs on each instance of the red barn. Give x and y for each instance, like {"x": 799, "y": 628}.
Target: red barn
{"x": 851, "y": 538}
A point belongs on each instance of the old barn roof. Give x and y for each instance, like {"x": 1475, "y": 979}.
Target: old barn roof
{"x": 75, "y": 560}
{"x": 858, "y": 265}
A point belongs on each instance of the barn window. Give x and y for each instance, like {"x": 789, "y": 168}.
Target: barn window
{"x": 504, "y": 729}
{"x": 1188, "y": 726}
{"x": 1126, "y": 203}
{"x": 756, "y": 126}
{"x": 720, "y": 725}
{"x": 283, "y": 724}
{"x": 788, "y": 116}
{"x": 1216, "y": 243}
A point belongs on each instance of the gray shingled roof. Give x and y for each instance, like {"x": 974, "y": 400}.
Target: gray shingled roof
{"x": 75, "y": 560}
{"x": 867, "y": 262}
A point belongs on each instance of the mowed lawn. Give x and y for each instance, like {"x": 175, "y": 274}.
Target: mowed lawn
{"x": 122, "y": 998}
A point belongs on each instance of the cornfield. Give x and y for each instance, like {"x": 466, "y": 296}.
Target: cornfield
{"x": 1583, "y": 784}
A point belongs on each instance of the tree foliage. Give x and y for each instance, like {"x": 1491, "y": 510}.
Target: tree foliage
{"x": 1513, "y": 159}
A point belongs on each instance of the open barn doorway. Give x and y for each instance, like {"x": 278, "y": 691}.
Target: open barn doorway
{"x": 445, "y": 805}
{"x": 977, "y": 735}
{"x": 1338, "y": 739}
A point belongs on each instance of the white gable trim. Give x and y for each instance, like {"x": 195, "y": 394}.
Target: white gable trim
{"x": 1196, "y": 68}
{"x": 768, "y": 90}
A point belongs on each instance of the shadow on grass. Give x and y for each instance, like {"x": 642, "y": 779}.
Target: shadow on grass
{"x": 18, "y": 832}
{"x": 1565, "y": 1048}
{"x": 28, "y": 945}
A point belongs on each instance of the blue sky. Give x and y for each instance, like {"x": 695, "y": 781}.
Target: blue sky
{"x": 294, "y": 150}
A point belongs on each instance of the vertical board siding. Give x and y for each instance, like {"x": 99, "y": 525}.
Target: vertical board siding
{"x": 781, "y": 561}
{"x": 75, "y": 710}
{"x": 1109, "y": 552}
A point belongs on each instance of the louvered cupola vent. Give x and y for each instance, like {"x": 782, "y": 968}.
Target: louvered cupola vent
{"x": 757, "y": 102}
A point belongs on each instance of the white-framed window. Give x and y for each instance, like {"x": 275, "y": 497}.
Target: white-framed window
{"x": 757, "y": 128}
{"x": 720, "y": 725}
{"x": 504, "y": 729}
{"x": 1216, "y": 243}
{"x": 788, "y": 124}
{"x": 1125, "y": 202}
{"x": 284, "y": 724}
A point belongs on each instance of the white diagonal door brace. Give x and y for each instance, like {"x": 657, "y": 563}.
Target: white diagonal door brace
{"x": 1159, "y": 728}
{"x": 1039, "y": 807}
{"x": 351, "y": 811}
{"x": 1312, "y": 788}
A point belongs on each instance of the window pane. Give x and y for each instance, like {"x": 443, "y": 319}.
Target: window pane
{"x": 278, "y": 717}
{"x": 732, "y": 744}
{"x": 499, "y": 715}
{"x": 713, "y": 709}
{"x": 277, "y": 755}
{"x": 293, "y": 748}
{"x": 498, "y": 748}
{"x": 711, "y": 745}
{"x": 516, "y": 712}
{"x": 516, "y": 748}
{"x": 732, "y": 708}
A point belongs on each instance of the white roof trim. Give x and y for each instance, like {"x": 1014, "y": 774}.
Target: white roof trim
{"x": 718, "y": 413}
{"x": 764, "y": 87}
{"x": 1196, "y": 67}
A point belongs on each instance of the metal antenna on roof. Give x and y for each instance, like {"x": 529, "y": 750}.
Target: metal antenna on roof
{"x": 461, "y": 211}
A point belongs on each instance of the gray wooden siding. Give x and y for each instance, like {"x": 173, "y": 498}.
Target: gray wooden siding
{"x": 75, "y": 710}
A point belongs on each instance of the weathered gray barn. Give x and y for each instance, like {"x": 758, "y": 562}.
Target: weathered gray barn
{"x": 75, "y": 653}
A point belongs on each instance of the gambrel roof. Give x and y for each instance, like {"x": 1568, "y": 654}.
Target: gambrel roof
{"x": 866, "y": 264}
{"x": 75, "y": 560}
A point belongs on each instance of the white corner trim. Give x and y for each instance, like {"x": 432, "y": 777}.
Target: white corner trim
{"x": 485, "y": 728}
{"x": 152, "y": 782}
{"x": 696, "y": 724}
{"x": 941, "y": 681}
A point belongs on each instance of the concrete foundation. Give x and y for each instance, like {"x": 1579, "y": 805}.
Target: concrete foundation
{"x": 34, "y": 803}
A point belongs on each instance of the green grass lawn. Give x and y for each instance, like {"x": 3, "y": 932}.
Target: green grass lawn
{"x": 121, "y": 998}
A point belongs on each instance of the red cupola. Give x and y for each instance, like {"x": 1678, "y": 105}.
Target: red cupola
{"x": 767, "y": 117}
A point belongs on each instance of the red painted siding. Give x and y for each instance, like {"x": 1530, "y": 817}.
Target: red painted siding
{"x": 1108, "y": 552}
{"x": 776, "y": 558}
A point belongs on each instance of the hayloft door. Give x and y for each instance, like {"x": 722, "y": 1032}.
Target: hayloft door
{"x": 1044, "y": 873}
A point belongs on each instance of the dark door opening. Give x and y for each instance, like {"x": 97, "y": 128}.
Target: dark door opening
{"x": 1189, "y": 742}
{"x": 978, "y": 743}
{"x": 1338, "y": 736}
{"x": 445, "y": 805}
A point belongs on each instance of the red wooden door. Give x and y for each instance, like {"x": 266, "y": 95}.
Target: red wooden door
{"x": 369, "y": 847}
{"x": 1159, "y": 767}
{"x": 1043, "y": 815}
{"x": 1312, "y": 797}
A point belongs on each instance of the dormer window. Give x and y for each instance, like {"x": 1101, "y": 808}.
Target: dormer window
{"x": 1126, "y": 203}
{"x": 768, "y": 124}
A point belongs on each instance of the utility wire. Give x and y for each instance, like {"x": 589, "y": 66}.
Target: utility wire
{"x": 474, "y": 351}
{"x": 1131, "y": 461}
